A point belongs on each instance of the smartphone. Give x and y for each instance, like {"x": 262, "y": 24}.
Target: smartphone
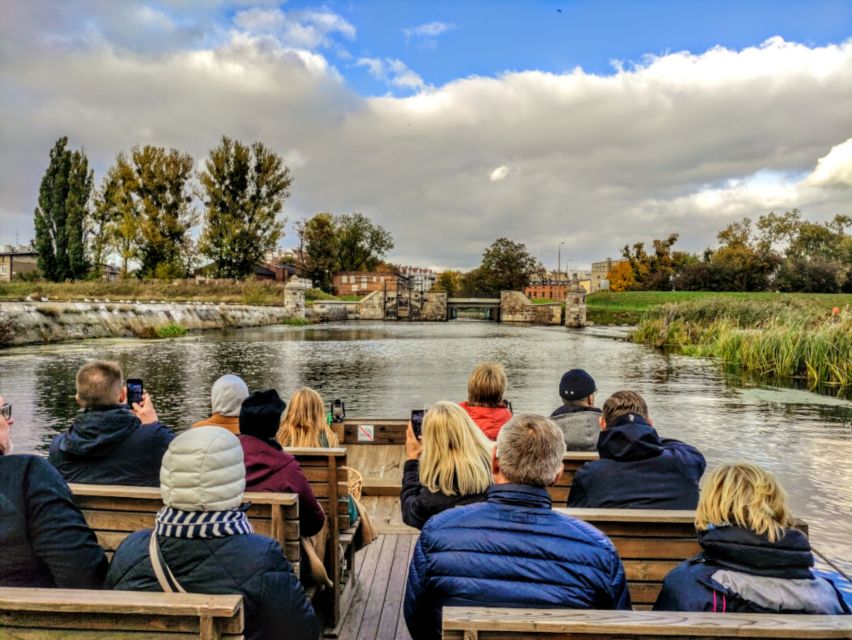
{"x": 337, "y": 409}
{"x": 134, "y": 391}
{"x": 417, "y": 422}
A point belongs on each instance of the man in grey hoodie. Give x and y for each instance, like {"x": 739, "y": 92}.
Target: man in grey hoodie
{"x": 578, "y": 417}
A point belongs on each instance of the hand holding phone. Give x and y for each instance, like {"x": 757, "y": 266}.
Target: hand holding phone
{"x": 135, "y": 391}
{"x": 417, "y": 422}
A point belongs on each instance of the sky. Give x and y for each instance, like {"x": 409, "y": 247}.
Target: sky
{"x": 575, "y": 127}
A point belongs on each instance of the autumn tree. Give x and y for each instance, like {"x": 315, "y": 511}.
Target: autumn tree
{"x": 652, "y": 271}
{"x": 450, "y": 281}
{"x": 243, "y": 189}
{"x": 621, "y": 277}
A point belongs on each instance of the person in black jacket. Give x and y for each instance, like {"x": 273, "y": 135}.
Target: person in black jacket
{"x": 637, "y": 469}
{"x": 110, "y": 443}
{"x": 45, "y": 540}
{"x": 753, "y": 560}
{"x": 205, "y": 544}
{"x": 451, "y": 467}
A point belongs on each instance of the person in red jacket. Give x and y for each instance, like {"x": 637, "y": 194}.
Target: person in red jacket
{"x": 268, "y": 468}
{"x": 485, "y": 403}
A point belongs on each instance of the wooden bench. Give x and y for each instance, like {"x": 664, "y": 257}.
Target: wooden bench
{"x": 113, "y": 512}
{"x": 481, "y": 623}
{"x": 81, "y": 614}
{"x": 330, "y": 484}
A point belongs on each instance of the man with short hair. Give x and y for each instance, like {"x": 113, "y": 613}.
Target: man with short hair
{"x": 578, "y": 416}
{"x": 513, "y": 550}
{"x": 110, "y": 443}
{"x": 45, "y": 540}
{"x": 637, "y": 469}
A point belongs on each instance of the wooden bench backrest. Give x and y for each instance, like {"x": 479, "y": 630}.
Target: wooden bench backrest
{"x": 113, "y": 512}
{"x": 68, "y": 614}
{"x": 571, "y": 462}
{"x": 480, "y": 623}
{"x": 384, "y": 431}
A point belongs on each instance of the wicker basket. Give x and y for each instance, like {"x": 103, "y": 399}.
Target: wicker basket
{"x": 356, "y": 482}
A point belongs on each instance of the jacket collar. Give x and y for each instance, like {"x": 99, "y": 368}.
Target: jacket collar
{"x": 98, "y": 430}
{"x": 569, "y": 408}
{"x": 519, "y": 495}
{"x": 743, "y": 550}
{"x": 630, "y": 438}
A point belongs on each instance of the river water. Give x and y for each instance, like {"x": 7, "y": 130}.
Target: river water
{"x": 386, "y": 369}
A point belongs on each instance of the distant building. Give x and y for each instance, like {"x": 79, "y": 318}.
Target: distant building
{"x": 16, "y": 261}
{"x": 274, "y": 271}
{"x": 555, "y": 286}
{"x": 600, "y": 273}
{"x": 419, "y": 278}
{"x": 362, "y": 282}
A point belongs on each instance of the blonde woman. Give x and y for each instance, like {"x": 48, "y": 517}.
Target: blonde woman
{"x": 485, "y": 403}
{"x": 753, "y": 560}
{"x": 304, "y": 424}
{"x": 450, "y": 467}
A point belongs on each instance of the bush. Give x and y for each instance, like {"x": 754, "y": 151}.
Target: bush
{"x": 6, "y": 331}
{"x": 171, "y": 330}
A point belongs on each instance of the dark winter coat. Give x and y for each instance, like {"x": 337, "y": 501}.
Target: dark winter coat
{"x": 638, "y": 470}
{"x": 740, "y": 571}
{"x": 512, "y": 550}
{"x": 251, "y": 565}
{"x": 580, "y": 426}
{"x": 270, "y": 469}
{"x": 419, "y": 504}
{"x": 111, "y": 446}
{"x": 44, "y": 539}
{"x": 489, "y": 419}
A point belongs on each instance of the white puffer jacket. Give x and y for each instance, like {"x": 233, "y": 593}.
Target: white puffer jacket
{"x": 203, "y": 470}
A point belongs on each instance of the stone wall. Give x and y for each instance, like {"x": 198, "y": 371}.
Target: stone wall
{"x": 516, "y": 307}
{"x": 575, "y": 308}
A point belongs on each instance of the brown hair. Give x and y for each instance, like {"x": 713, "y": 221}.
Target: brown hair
{"x": 622, "y": 403}
{"x": 304, "y": 421}
{"x": 530, "y": 450}
{"x": 99, "y": 384}
{"x": 486, "y": 385}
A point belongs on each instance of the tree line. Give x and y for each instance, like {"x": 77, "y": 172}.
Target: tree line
{"x": 779, "y": 252}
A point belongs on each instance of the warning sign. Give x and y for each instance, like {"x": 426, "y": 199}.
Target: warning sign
{"x": 365, "y": 433}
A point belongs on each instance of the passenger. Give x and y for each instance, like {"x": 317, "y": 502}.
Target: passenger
{"x": 110, "y": 443}
{"x": 226, "y": 397}
{"x": 577, "y": 417}
{"x": 455, "y": 468}
{"x": 203, "y": 541}
{"x": 45, "y": 540}
{"x": 637, "y": 469}
{"x": 485, "y": 404}
{"x": 513, "y": 550}
{"x": 268, "y": 468}
{"x": 753, "y": 560}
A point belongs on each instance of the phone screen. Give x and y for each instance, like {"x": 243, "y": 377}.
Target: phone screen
{"x": 417, "y": 422}
{"x": 134, "y": 391}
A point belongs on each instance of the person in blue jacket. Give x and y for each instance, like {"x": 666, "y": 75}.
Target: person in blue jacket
{"x": 752, "y": 559}
{"x": 109, "y": 442}
{"x": 45, "y": 540}
{"x": 513, "y": 550}
{"x": 203, "y": 541}
{"x": 637, "y": 468}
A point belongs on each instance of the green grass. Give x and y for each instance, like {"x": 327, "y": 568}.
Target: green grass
{"x": 544, "y": 300}
{"x": 172, "y": 330}
{"x": 312, "y": 295}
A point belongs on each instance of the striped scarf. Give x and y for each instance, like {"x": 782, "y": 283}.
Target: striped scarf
{"x": 174, "y": 523}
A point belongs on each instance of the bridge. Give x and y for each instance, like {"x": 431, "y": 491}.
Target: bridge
{"x": 489, "y": 306}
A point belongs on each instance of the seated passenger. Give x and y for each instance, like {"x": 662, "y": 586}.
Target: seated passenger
{"x": 203, "y": 541}
{"x": 451, "y": 467}
{"x": 226, "y": 397}
{"x": 577, "y": 417}
{"x": 753, "y": 560}
{"x": 268, "y": 468}
{"x": 485, "y": 404}
{"x": 513, "y": 550}
{"x": 45, "y": 540}
{"x": 637, "y": 469}
{"x": 110, "y": 443}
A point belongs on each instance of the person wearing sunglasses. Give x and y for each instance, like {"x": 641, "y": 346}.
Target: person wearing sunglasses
{"x": 45, "y": 539}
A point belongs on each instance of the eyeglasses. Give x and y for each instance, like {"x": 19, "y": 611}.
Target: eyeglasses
{"x": 6, "y": 411}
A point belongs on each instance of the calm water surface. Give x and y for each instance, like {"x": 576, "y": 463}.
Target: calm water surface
{"x": 384, "y": 370}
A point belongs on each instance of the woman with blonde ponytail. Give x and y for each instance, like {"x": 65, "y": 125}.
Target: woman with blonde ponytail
{"x": 753, "y": 560}
{"x": 450, "y": 467}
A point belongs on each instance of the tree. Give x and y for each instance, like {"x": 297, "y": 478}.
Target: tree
{"x": 653, "y": 271}
{"x": 244, "y": 188}
{"x": 621, "y": 277}
{"x": 60, "y": 216}
{"x": 451, "y": 282}
{"x": 506, "y": 266}
{"x": 319, "y": 248}
{"x": 361, "y": 245}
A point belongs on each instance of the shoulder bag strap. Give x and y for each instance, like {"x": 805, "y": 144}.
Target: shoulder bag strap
{"x": 159, "y": 565}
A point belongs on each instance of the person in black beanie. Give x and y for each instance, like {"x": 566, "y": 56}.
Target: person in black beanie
{"x": 268, "y": 468}
{"x": 578, "y": 418}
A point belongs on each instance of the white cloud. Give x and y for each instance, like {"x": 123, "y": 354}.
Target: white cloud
{"x": 428, "y": 30}
{"x": 392, "y": 71}
{"x": 305, "y": 28}
{"x": 499, "y": 174}
{"x": 834, "y": 169}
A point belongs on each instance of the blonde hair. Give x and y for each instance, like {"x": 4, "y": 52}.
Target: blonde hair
{"x": 486, "y": 385}
{"x": 456, "y": 455}
{"x": 99, "y": 384}
{"x": 530, "y": 450}
{"x": 304, "y": 421}
{"x": 622, "y": 403}
{"x": 745, "y": 495}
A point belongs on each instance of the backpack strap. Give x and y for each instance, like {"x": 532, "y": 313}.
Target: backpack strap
{"x": 161, "y": 569}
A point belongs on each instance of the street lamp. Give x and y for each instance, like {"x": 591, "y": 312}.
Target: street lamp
{"x": 559, "y": 261}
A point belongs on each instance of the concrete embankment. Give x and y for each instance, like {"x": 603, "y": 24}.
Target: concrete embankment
{"x": 43, "y": 322}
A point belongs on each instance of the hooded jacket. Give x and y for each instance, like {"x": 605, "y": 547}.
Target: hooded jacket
{"x": 741, "y": 571}
{"x": 580, "y": 426}
{"x": 110, "y": 445}
{"x": 418, "y": 504}
{"x": 44, "y": 538}
{"x": 638, "y": 470}
{"x": 512, "y": 550}
{"x": 489, "y": 419}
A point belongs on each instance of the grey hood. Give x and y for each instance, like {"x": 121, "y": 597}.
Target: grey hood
{"x": 581, "y": 429}
{"x": 799, "y": 595}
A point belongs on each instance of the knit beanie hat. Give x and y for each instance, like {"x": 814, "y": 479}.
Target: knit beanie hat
{"x": 228, "y": 394}
{"x": 576, "y": 384}
{"x": 203, "y": 470}
{"x": 260, "y": 415}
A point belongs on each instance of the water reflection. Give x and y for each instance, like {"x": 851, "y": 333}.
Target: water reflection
{"x": 387, "y": 369}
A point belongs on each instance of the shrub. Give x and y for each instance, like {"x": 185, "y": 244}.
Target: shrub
{"x": 171, "y": 330}
{"x": 6, "y": 331}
